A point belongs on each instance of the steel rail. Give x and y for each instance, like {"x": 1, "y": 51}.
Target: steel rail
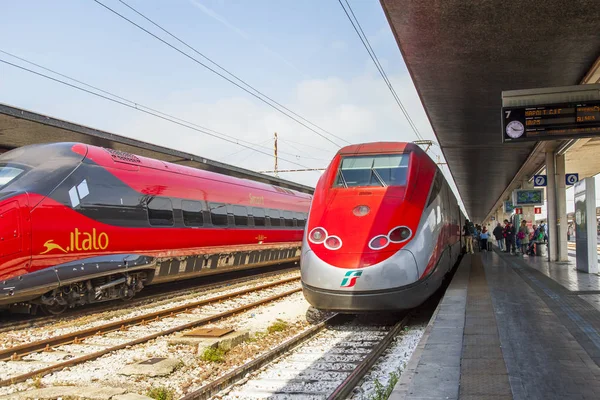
{"x": 143, "y": 298}
{"x": 14, "y": 353}
{"x": 344, "y": 389}
{"x": 204, "y": 321}
{"x": 237, "y": 374}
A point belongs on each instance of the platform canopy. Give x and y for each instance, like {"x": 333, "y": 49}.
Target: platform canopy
{"x": 20, "y": 127}
{"x": 462, "y": 55}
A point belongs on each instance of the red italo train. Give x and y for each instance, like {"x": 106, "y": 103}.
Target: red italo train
{"x": 82, "y": 224}
{"x": 383, "y": 230}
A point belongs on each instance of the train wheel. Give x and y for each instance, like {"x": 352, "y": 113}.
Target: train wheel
{"x": 54, "y": 309}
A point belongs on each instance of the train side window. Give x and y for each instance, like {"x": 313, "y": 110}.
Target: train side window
{"x": 274, "y": 217}
{"x": 240, "y": 215}
{"x": 438, "y": 183}
{"x": 192, "y": 213}
{"x": 288, "y": 217}
{"x": 259, "y": 216}
{"x": 218, "y": 214}
{"x": 160, "y": 211}
{"x": 301, "y": 218}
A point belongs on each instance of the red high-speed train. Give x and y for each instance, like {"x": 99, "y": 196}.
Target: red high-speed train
{"x": 82, "y": 224}
{"x": 383, "y": 230}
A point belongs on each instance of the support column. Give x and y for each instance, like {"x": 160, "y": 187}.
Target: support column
{"x": 561, "y": 208}
{"x": 551, "y": 206}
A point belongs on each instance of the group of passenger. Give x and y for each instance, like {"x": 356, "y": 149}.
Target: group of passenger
{"x": 521, "y": 241}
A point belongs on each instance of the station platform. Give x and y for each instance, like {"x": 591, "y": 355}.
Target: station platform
{"x": 510, "y": 327}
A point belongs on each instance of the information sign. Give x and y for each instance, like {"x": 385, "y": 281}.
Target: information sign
{"x": 540, "y": 180}
{"x": 551, "y": 122}
{"x": 571, "y": 179}
{"x": 528, "y": 197}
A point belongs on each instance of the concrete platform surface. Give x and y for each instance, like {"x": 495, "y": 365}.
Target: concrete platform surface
{"x": 510, "y": 327}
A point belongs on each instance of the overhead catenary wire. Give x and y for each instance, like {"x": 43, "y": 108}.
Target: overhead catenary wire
{"x": 365, "y": 41}
{"x": 139, "y": 105}
{"x": 141, "y": 110}
{"x": 259, "y": 95}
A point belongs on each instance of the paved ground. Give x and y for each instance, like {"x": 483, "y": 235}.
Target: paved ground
{"x": 510, "y": 327}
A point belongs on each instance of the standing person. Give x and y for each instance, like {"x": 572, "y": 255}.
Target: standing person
{"x": 468, "y": 234}
{"x": 524, "y": 237}
{"x": 509, "y": 236}
{"x": 498, "y": 236}
{"x": 484, "y": 236}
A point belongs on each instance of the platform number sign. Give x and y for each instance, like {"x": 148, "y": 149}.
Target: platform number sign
{"x": 571, "y": 179}
{"x": 540, "y": 180}
{"x": 538, "y": 210}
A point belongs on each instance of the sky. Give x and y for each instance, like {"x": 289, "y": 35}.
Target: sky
{"x": 303, "y": 54}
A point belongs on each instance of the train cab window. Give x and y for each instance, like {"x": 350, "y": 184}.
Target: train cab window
{"x": 301, "y": 218}
{"x": 288, "y": 218}
{"x": 438, "y": 183}
{"x": 9, "y": 174}
{"x": 218, "y": 214}
{"x": 275, "y": 217}
{"x": 160, "y": 211}
{"x": 240, "y": 215}
{"x": 379, "y": 171}
{"x": 192, "y": 213}
{"x": 259, "y": 216}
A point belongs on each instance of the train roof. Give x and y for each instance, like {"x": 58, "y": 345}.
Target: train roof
{"x": 22, "y": 127}
{"x": 379, "y": 147}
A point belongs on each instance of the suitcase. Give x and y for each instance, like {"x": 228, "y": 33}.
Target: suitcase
{"x": 489, "y": 245}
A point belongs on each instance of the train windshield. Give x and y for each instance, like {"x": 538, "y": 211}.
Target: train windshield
{"x": 9, "y": 174}
{"x": 373, "y": 170}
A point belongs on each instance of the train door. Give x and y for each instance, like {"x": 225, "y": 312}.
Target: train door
{"x": 15, "y": 255}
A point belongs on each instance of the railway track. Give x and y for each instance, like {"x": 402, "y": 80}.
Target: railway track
{"x": 150, "y": 294}
{"x": 326, "y": 361}
{"x": 92, "y": 343}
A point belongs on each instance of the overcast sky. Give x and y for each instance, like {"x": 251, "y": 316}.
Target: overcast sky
{"x": 303, "y": 54}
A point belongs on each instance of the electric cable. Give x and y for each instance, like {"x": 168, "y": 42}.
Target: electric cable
{"x": 258, "y": 96}
{"x": 367, "y": 45}
{"x": 143, "y": 111}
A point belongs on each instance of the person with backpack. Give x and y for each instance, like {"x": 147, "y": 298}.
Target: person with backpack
{"x": 497, "y": 232}
{"x": 509, "y": 237}
{"x": 468, "y": 231}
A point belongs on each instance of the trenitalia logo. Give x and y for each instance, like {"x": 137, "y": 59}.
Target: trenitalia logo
{"x": 350, "y": 278}
{"x": 80, "y": 241}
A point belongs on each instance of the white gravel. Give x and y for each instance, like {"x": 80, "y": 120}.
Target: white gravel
{"x": 394, "y": 360}
{"x": 315, "y": 368}
{"x": 67, "y": 324}
{"x": 104, "y": 371}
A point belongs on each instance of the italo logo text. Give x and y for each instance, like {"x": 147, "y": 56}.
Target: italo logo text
{"x": 350, "y": 278}
{"x": 80, "y": 241}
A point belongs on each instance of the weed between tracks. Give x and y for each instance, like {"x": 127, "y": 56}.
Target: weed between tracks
{"x": 213, "y": 354}
{"x": 278, "y": 326}
{"x": 161, "y": 393}
{"x": 383, "y": 392}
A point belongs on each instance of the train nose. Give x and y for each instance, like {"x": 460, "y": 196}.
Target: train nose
{"x": 399, "y": 269}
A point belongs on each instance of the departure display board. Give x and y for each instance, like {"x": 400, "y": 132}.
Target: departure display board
{"x": 550, "y": 122}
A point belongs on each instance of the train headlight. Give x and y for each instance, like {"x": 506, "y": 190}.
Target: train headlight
{"x": 317, "y": 235}
{"x": 399, "y": 234}
{"x": 361, "y": 211}
{"x": 379, "y": 242}
{"x": 333, "y": 243}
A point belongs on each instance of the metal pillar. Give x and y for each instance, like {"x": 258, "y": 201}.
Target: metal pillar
{"x": 561, "y": 208}
{"x": 551, "y": 206}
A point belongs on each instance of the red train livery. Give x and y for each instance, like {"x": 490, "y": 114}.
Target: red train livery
{"x": 383, "y": 230}
{"x": 81, "y": 224}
